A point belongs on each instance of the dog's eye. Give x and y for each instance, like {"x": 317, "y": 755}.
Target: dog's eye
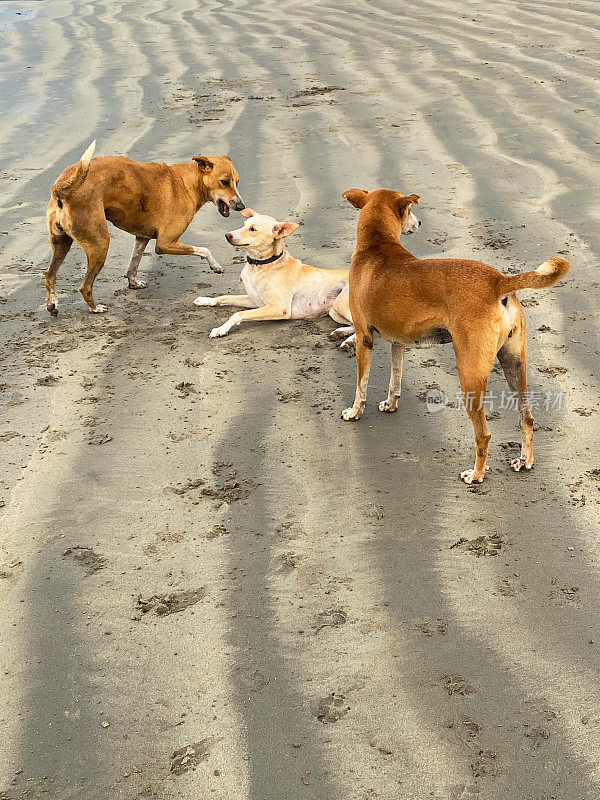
{"x": 252, "y": 228}
{"x": 225, "y": 183}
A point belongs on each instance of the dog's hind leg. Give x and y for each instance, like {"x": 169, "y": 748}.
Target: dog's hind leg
{"x": 391, "y": 403}
{"x": 61, "y": 244}
{"x": 341, "y": 319}
{"x": 364, "y": 348}
{"x": 513, "y": 359}
{"x": 138, "y": 251}
{"x": 474, "y": 363}
{"x": 96, "y": 251}
{"x": 340, "y": 313}
{"x": 349, "y": 343}
{"x": 342, "y": 333}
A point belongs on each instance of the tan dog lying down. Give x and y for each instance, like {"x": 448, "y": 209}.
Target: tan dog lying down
{"x": 151, "y": 201}
{"x": 279, "y": 286}
{"x": 406, "y": 299}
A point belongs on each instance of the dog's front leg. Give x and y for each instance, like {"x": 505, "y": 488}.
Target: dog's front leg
{"x": 205, "y": 253}
{"x": 391, "y": 403}
{"x": 252, "y": 315}
{"x": 242, "y": 300}
{"x": 364, "y": 347}
{"x": 138, "y": 251}
{"x": 169, "y": 248}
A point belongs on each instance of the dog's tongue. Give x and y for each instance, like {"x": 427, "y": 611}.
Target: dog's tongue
{"x": 223, "y": 208}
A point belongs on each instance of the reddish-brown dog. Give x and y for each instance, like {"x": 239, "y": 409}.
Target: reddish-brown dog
{"x": 151, "y": 201}
{"x": 406, "y": 299}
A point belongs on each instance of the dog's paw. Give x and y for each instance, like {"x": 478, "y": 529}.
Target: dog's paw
{"x": 53, "y": 309}
{"x": 217, "y": 333}
{"x": 100, "y": 308}
{"x": 203, "y": 252}
{"x": 340, "y": 333}
{"x": 388, "y": 405}
{"x": 517, "y": 464}
{"x": 468, "y": 476}
{"x": 351, "y": 414}
{"x": 216, "y": 268}
{"x": 348, "y": 343}
{"x": 205, "y": 301}
{"x": 138, "y": 285}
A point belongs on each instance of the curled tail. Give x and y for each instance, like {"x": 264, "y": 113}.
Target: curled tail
{"x": 547, "y": 274}
{"x": 65, "y": 186}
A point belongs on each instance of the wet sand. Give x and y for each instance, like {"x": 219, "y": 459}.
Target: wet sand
{"x": 211, "y": 586}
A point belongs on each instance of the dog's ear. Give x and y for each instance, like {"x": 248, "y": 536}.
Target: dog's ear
{"x": 227, "y": 159}
{"x": 248, "y": 212}
{"x": 283, "y": 229}
{"x": 404, "y": 202}
{"x": 408, "y": 200}
{"x": 356, "y": 197}
{"x": 204, "y": 164}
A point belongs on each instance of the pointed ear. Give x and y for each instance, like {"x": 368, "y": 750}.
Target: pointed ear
{"x": 205, "y": 164}
{"x": 227, "y": 159}
{"x": 403, "y": 202}
{"x": 283, "y": 229}
{"x": 411, "y": 198}
{"x": 356, "y": 197}
{"x": 248, "y": 212}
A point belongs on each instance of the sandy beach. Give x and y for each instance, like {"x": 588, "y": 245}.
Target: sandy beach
{"x": 211, "y": 586}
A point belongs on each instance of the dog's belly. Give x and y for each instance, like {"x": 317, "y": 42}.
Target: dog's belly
{"x": 427, "y": 339}
{"x": 434, "y": 336}
{"x": 314, "y": 304}
{"x": 130, "y": 223}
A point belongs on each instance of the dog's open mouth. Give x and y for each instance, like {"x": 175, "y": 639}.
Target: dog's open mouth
{"x": 223, "y": 208}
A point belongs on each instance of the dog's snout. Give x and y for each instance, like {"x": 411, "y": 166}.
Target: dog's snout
{"x": 229, "y": 237}
{"x": 238, "y": 204}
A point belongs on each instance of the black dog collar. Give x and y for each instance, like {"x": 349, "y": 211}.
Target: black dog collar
{"x": 266, "y": 261}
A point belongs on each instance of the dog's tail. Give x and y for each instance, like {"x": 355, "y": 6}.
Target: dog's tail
{"x": 547, "y": 274}
{"x": 63, "y": 188}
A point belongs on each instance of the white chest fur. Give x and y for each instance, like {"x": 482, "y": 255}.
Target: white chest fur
{"x": 252, "y": 284}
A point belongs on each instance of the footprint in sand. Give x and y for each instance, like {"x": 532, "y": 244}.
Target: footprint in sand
{"x": 163, "y": 605}
{"x": 90, "y": 561}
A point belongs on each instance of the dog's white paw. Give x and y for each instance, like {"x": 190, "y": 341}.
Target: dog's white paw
{"x": 348, "y": 343}
{"x": 517, "y": 464}
{"x": 99, "y": 309}
{"x": 138, "y": 285}
{"x": 351, "y": 414}
{"x": 205, "y": 301}
{"x": 341, "y": 333}
{"x": 217, "y": 333}
{"x": 468, "y": 476}
{"x": 389, "y": 405}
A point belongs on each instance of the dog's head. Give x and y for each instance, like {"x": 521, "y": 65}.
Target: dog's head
{"x": 400, "y": 204}
{"x": 220, "y": 179}
{"x": 260, "y": 234}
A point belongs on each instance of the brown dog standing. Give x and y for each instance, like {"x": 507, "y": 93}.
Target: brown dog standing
{"x": 406, "y": 299}
{"x": 151, "y": 201}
